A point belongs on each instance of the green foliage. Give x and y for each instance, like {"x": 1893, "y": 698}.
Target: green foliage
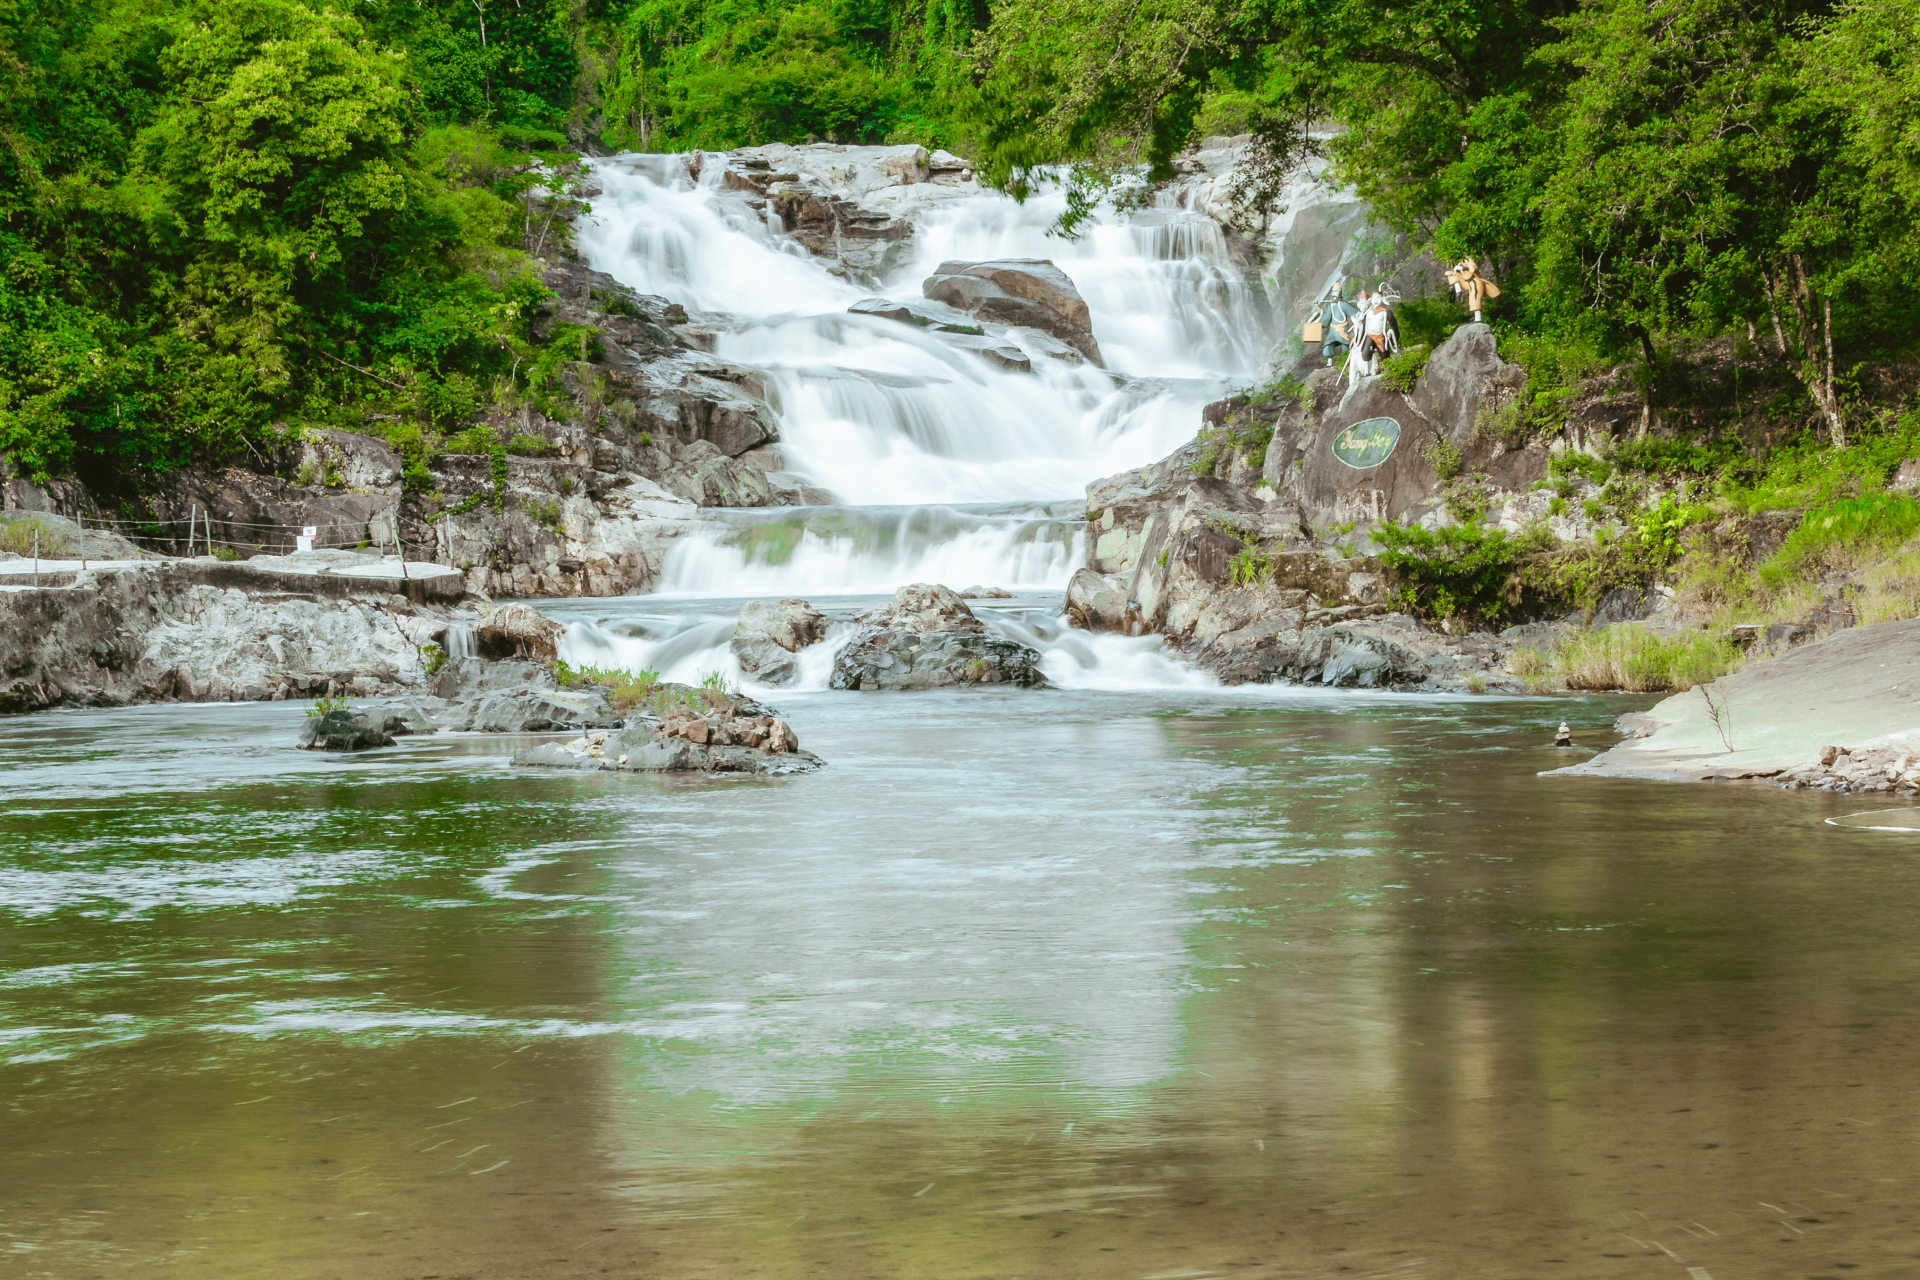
{"x": 324, "y": 706}
{"x": 1400, "y": 371}
{"x": 1842, "y": 536}
{"x": 625, "y": 689}
{"x": 432, "y": 657}
{"x": 1251, "y": 566}
{"x": 1248, "y": 426}
{"x": 221, "y": 223}
{"x": 545, "y": 513}
{"x": 1458, "y": 570}
{"x": 1445, "y": 459}
{"x": 21, "y": 533}
{"x": 1630, "y": 656}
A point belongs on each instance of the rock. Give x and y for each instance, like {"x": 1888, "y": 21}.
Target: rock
{"x": 985, "y": 593}
{"x": 1635, "y": 724}
{"x": 519, "y": 631}
{"x": 927, "y": 638}
{"x": 1098, "y": 601}
{"x": 731, "y": 744}
{"x": 923, "y": 606}
{"x": 204, "y": 631}
{"x": 1027, "y": 292}
{"x": 342, "y": 730}
{"x": 342, "y": 459}
{"x": 1622, "y": 604}
{"x": 770, "y": 632}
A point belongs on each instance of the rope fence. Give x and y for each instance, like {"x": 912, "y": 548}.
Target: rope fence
{"x": 272, "y": 538}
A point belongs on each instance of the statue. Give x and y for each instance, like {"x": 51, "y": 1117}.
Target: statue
{"x": 1467, "y": 281}
{"x": 1332, "y": 323}
{"x": 1379, "y": 337}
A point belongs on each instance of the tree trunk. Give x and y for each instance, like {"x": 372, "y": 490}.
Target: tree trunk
{"x": 1811, "y": 351}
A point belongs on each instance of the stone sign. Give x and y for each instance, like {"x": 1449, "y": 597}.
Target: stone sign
{"x": 1367, "y": 444}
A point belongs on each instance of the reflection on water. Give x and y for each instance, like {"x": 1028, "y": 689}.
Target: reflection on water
{"x": 1077, "y": 983}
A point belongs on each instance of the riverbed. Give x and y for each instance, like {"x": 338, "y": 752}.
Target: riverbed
{"x": 1083, "y": 982}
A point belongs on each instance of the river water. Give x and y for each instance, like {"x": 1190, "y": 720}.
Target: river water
{"x": 1131, "y": 977}
{"x": 1076, "y": 983}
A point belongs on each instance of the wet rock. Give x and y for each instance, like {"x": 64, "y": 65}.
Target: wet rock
{"x": 927, "y": 638}
{"x": 986, "y": 593}
{"x": 342, "y": 730}
{"x": 1026, "y": 292}
{"x": 770, "y": 632}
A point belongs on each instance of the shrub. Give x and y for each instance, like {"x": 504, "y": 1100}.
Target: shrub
{"x": 327, "y": 706}
{"x": 432, "y": 657}
{"x": 1400, "y": 372}
{"x": 625, "y": 689}
{"x": 1461, "y": 570}
{"x": 527, "y": 446}
{"x": 17, "y": 533}
{"x": 1251, "y": 566}
{"x": 1841, "y": 536}
{"x": 1631, "y": 657}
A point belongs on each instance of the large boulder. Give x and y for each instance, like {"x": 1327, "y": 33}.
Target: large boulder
{"x": 518, "y": 631}
{"x": 1028, "y": 292}
{"x": 770, "y": 632}
{"x": 927, "y": 638}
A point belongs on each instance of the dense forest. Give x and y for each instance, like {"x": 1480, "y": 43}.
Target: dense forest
{"x": 223, "y": 220}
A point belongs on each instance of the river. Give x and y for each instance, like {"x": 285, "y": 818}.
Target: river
{"x": 1082, "y": 983}
{"x": 1134, "y": 976}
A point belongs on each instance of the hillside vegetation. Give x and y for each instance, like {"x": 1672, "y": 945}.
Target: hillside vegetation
{"x": 221, "y": 222}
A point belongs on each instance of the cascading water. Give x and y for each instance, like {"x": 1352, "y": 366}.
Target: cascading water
{"x": 947, "y": 467}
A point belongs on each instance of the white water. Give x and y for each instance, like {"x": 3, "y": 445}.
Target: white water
{"x": 904, "y": 427}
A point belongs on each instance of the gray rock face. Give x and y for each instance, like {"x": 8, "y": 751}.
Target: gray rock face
{"x": 1027, "y": 292}
{"x": 770, "y": 632}
{"x": 927, "y": 638}
{"x": 206, "y": 632}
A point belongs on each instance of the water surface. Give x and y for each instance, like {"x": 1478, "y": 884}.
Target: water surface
{"x": 1074, "y": 983}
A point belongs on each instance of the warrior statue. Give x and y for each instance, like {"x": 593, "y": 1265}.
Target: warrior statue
{"x": 1332, "y": 325}
{"x": 1378, "y": 332}
{"x": 1467, "y": 282}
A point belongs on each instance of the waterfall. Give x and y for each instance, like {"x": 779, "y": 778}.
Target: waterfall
{"x": 946, "y": 467}
{"x": 460, "y": 641}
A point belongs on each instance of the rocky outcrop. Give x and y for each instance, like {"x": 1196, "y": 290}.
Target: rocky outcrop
{"x": 478, "y": 695}
{"x": 927, "y": 638}
{"x": 343, "y": 729}
{"x": 1246, "y": 547}
{"x": 770, "y": 632}
{"x": 1028, "y": 293}
{"x": 1833, "y": 713}
{"x": 208, "y": 632}
{"x": 685, "y": 730}
{"x": 1857, "y": 770}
